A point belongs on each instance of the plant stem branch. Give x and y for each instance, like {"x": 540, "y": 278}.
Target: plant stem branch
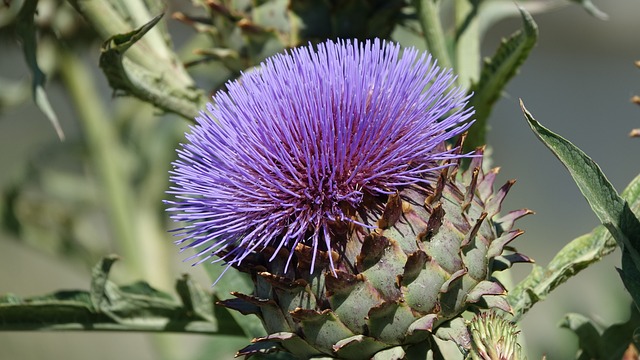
{"x": 105, "y": 151}
{"x": 467, "y": 48}
{"x": 429, "y": 15}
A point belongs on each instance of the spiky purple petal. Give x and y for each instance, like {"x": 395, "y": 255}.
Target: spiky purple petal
{"x": 296, "y": 144}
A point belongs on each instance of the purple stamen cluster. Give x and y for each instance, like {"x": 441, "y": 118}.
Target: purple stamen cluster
{"x": 279, "y": 156}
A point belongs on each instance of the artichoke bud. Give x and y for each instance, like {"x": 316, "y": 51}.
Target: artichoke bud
{"x": 429, "y": 258}
{"x": 494, "y": 338}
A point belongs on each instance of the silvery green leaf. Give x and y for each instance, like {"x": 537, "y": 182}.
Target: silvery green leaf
{"x": 612, "y": 210}
{"x": 147, "y": 84}
{"x": 496, "y": 73}
{"x": 26, "y": 31}
{"x": 609, "y": 343}
{"x": 569, "y": 261}
{"x": 109, "y": 307}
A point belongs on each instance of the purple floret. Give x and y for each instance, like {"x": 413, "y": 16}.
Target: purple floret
{"x": 295, "y": 145}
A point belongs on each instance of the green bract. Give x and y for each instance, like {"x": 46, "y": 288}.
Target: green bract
{"x": 430, "y": 259}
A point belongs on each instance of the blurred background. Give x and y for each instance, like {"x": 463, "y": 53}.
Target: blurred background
{"x": 577, "y": 81}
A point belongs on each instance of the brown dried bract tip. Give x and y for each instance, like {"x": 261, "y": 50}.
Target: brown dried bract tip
{"x": 434, "y": 223}
{"x": 413, "y": 267}
{"x": 218, "y": 7}
{"x": 460, "y": 142}
{"x": 474, "y": 230}
{"x": 249, "y": 26}
{"x": 254, "y": 299}
{"x": 342, "y": 283}
{"x": 283, "y": 253}
{"x": 304, "y": 255}
{"x": 301, "y": 314}
{"x": 181, "y": 17}
{"x": 372, "y": 250}
{"x": 471, "y": 190}
{"x": 282, "y": 282}
{"x": 392, "y": 212}
{"x": 456, "y": 162}
{"x": 437, "y": 193}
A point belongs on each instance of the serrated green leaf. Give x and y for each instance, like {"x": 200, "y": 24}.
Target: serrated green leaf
{"x": 26, "y": 31}
{"x": 609, "y": 207}
{"x": 147, "y": 84}
{"x": 609, "y": 344}
{"x": 630, "y": 276}
{"x": 496, "y": 73}
{"x": 613, "y": 211}
{"x": 108, "y": 307}
{"x": 569, "y": 261}
{"x": 99, "y": 278}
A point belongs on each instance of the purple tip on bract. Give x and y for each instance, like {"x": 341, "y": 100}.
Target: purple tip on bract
{"x": 295, "y": 145}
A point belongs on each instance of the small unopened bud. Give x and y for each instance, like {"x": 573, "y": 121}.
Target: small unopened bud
{"x": 494, "y": 338}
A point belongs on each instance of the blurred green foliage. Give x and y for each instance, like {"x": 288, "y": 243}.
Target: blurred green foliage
{"x": 101, "y": 192}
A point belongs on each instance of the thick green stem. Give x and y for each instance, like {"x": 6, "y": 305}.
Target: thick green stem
{"x": 429, "y": 15}
{"x": 105, "y": 152}
{"x": 134, "y": 227}
{"x": 467, "y": 54}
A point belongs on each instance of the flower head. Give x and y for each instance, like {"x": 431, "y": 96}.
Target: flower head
{"x": 301, "y": 142}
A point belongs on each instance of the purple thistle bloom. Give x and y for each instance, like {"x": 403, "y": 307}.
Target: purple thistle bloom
{"x": 298, "y": 143}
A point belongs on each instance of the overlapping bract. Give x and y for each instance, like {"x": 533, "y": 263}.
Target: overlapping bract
{"x": 432, "y": 257}
{"x": 297, "y": 144}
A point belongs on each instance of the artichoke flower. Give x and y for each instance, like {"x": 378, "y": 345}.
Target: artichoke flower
{"x": 331, "y": 174}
